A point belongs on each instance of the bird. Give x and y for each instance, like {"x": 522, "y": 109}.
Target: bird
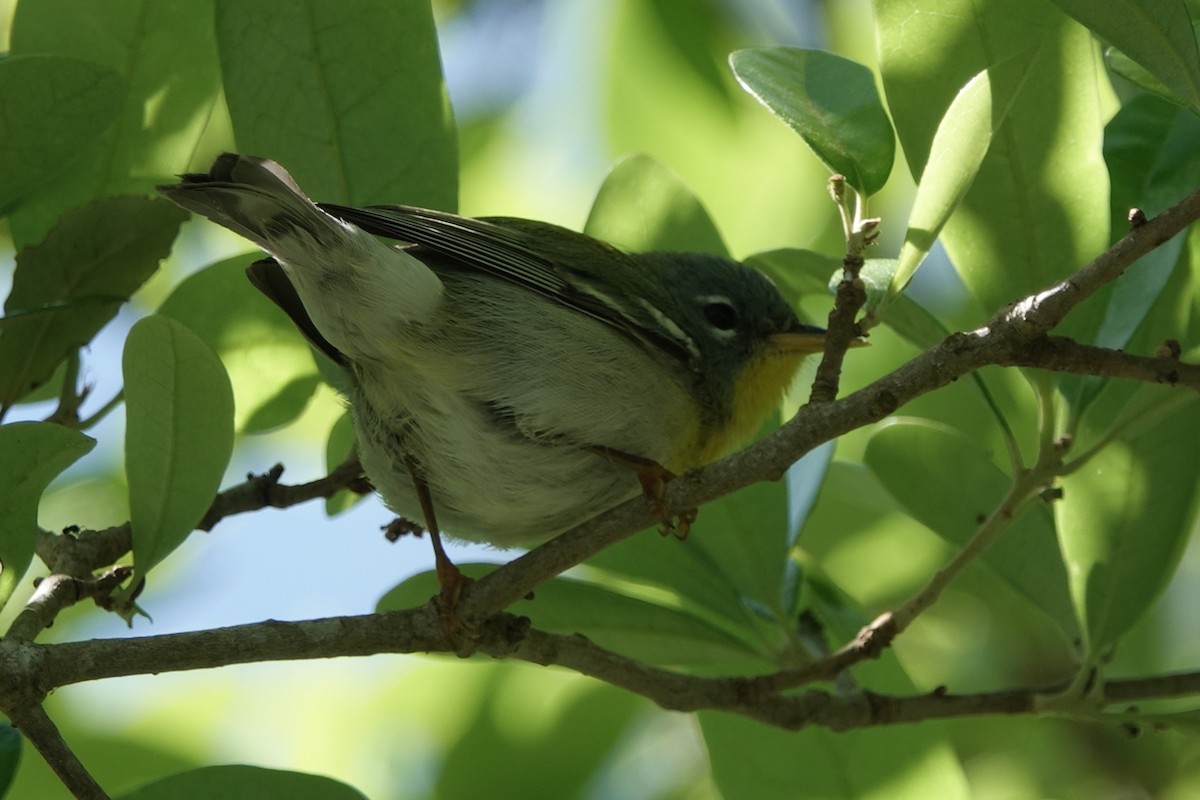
{"x": 509, "y": 379}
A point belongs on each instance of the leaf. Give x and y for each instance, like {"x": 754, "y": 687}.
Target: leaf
{"x": 831, "y": 102}
{"x": 635, "y": 627}
{"x": 338, "y": 447}
{"x": 69, "y": 286}
{"x": 1169, "y": 167}
{"x": 529, "y": 721}
{"x": 877, "y": 276}
{"x": 948, "y": 483}
{"x": 1035, "y": 210}
{"x": 957, "y": 151}
{"x": 1152, "y": 149}
{"x": 1123, "y": 520}
{"x": 796, "y": 272}
{"x": 352, "y": 104}
{"x": 729, "y": 572}
{"x": 643, "y": 206}
{"x": 10, "y": 756}
{"x": 178, "y": 434}
{"x": 50, "y": 108}
{"x": 239, "y": 782}
{"x": 1136, "y": 74}
{"x": 164, "y": 54}
{"x": 804, "y": 481}
{"x": 1157, "y": 34}
{"x": 752, "y": 761}
{"x": 269, "y": 364}
{"x": 32, "y": 454}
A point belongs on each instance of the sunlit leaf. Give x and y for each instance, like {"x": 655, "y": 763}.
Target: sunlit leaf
{"x": 353, "y": 105}
{"x": 1036, "y": 209}
{"x": 643, "y": 206}
{"x": 163, "y": 52}
{"x": 270, "y": 365}
{"x": 32, "y": 454}
{"x": 831, "y": 102}
{"x": 1123, "y": 521}
{"x": 1157, "y": 34}
{"x": 958, "y": 148}
{"x": 178, "y": 434}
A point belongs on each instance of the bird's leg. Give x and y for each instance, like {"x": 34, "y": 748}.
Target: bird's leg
{"x": 450, "y": 578}
{"x": 653, "y": 477}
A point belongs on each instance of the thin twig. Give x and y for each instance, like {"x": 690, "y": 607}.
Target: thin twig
{"x": 40, "y": 731}
{"x": 57, "y": 592}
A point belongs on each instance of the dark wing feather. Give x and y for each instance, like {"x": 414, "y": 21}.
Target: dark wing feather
{"x": 537, "y": 256}
{"x": 270, "y": 279}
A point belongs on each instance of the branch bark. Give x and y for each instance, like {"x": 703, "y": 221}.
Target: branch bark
{"x": 1017, "y": 336}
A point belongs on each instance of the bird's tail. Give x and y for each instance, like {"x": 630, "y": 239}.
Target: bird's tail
{"x": 355, "y": 288}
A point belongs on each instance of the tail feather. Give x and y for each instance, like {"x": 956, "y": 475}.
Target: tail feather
{"x": 355, "y": 289}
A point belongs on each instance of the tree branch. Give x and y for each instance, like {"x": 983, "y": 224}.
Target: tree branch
{"x": 1059, "y": 354}
{"x": 73, "y": 556}
{"x": 1008, "y": 338}
{"x": 508, "y": 636}
{"x": 40, "y": 731}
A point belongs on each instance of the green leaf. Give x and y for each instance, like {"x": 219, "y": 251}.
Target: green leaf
{"x": 270, "y": 365}
{"x": 877, "y": 276}
{"x": 1036, "y": 209}
{"x": 10, "y": 756}
{"x": 957, "y": 151}
{"x": 32, "y": 454}
{"x": 1138, "y": 75}
{"x": 1152, "y": 149}
{"x": 163, "y": 51}
{"x": 50, "y": 108}
{"x": 1123, "y": 520}
{"x": 948, "y": 483}
{"x": 1153, "y": 153}
{"x": 831, "y": 102}
{"x": 644, "y": 206}
{"x": 178, "y": 434}
{"x": 239, "y": 782}
{"x": 729, "y": 572}
{"x": 1157, "y": 34}
{"x": 352, "y": 104}
{"x": 796, "y": 272}
{"x": 66, "y": 288}
{"x": 554, "y": 734}
{"x": 338, "y": 446}
{"x": 751, "y": 761}
{"x": 637, "y": 627}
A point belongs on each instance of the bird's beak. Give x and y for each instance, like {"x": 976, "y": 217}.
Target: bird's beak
{"x": 803, "y": 339}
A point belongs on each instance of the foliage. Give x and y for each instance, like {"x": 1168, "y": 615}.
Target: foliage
{"x": 1028, "y": 529}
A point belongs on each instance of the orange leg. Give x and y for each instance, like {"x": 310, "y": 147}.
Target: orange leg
{"x": 450, "y": 578}
{"x": 653, "y": 477}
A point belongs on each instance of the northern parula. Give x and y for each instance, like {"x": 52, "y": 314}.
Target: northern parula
{"x": 511, "y": 371}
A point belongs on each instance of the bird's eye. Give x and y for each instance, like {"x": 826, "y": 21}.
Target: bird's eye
{"x": 721, "y": 315}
